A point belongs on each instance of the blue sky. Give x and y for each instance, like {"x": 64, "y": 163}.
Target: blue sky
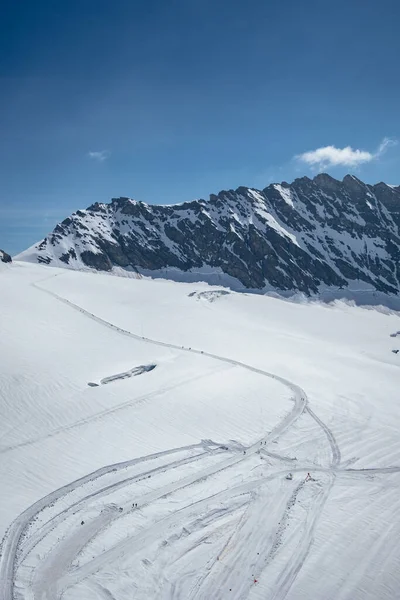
{"x": 166, "y": 101}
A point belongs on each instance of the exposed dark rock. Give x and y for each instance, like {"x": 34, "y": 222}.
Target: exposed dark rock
{"x": 100, "y": 261}
{"x": 305, "y": 236}
{"x": 4, "y": 257}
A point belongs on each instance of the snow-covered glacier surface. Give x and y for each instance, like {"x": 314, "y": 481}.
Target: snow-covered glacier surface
{"x": 170, "y": 482}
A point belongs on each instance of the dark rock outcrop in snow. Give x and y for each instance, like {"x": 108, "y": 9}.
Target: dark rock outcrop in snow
{"x": 4, "y": 257}
{"x": 306, "y": 236}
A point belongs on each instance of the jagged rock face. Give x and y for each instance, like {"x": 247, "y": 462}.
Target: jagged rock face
{"x": 4, "y": 257}
{"x": 309, "y": 235}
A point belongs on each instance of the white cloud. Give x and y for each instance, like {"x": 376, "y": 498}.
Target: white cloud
{"x": 330, "y": 156}
{"x": 384, "y": 145}
{"x": 100, "y": 156}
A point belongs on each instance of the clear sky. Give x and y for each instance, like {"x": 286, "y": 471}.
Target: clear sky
{"x": 170, "y": 100}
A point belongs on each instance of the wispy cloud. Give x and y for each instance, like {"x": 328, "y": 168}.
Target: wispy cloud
{"x": 384, "y": 145}
{"x": 99, "y": 155}
{"x": 330, "y": 156}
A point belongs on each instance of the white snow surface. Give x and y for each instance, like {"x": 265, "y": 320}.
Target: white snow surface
{"x": 285, "y": 193}
{"x": 171, "y": 483}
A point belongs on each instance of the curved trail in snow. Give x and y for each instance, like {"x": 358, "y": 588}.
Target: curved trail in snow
{"x": 54, "y": 575}
{"x": 336, "y": 456}
{"x": 12, "y": 537}
{"x": 299, "y": 393}
{"x": 34, "y": 539}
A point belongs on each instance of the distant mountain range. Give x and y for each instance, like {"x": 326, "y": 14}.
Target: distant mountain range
{"x": 307, "y": 236}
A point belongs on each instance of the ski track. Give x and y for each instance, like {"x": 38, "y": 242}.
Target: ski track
{"x": 235, "y": 559}
{"x": 331, "y": 438}
{"x": 278, "y": 456}
{"x": 157, "y": 530}
{"x": 33, "y": 539}
{"x": 287, "y": 578}
{"x": 12, "y": 537}
{"x": 55, "y": 575}
{"x": 100, "y": 590}
{"x": 175, "y": 588}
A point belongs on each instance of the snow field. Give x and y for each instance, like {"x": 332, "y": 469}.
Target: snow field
{"x": 206, "y": 440}
{"x": 339, "y": 353}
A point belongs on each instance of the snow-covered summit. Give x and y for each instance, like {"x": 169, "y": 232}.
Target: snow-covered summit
{"x": 305, "y": 236}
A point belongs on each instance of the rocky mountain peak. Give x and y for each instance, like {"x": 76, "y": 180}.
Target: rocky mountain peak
{"x": 352, "y": 183}
{"x": 306, "y": 236}
{"x": 323, "y": 180}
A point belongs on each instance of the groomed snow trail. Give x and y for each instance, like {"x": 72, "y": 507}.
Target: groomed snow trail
{"x": 67, "y": 562}
{"x": 13, "y": 536}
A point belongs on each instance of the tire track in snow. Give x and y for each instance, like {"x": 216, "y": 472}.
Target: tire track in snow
{"x": 12, "y": 537}
{"x": 151, "y": 534}
{"x": 287, "y": 578}
{"x": 216, "y": 524}
{"x": 132, "y": 543}
{"x": 336, "y": 456}
{"x": 371, "y": 471}
{"x": 235, "y": 558}
{"x": 115, "y": 552}
{"x": 101, "y": 590}
{"x": 278, "y": 456}
{"x": 36, "y": 537}
{"x": 50, "y": 570}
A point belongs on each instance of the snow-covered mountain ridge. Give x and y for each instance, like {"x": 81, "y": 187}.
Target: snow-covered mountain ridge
{"x": 305, "y": 236}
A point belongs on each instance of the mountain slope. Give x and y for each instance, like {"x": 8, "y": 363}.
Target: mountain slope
{"x": 306, "y": 236}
